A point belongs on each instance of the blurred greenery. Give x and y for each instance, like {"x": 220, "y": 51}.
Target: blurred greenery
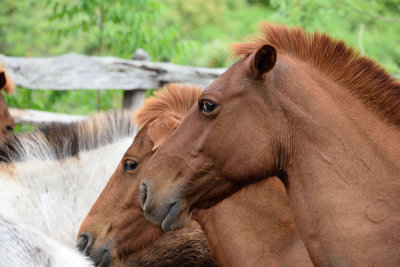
{"x": 196, "y": 32}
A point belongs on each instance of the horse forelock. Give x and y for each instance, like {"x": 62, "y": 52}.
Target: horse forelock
{"x": 365, "y": 79}
{"x": 58, "y": 141}
{"x": 173, "y": 99}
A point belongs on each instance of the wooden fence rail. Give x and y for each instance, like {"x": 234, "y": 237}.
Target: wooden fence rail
{"x": 36, "y": 117}
{"x": 76, "y": 71}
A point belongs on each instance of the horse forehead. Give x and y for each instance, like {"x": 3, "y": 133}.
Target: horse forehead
{"x": 235, "y": 79}
{"x": 234, "y": 72}
{"x": 140, "y": 140}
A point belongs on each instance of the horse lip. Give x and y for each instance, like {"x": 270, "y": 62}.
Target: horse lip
{"x": 157, "y": 217}
{"x": 105, "y": 259}
{"x": 171, "y": 217}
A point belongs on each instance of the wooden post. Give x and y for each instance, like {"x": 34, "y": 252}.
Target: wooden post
{"x": 133, "y": 99}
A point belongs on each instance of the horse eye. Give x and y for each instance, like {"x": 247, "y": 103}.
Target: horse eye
{"x": 207, "y": 106}
{"x": 130, "y": 165}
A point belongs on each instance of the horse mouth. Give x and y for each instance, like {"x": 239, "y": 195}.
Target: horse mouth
{"x": 171, "y": 214}
{"x": 176, "y": 218}
{"x": 102, "y": 257}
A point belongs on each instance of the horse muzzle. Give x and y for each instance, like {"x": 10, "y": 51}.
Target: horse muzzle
{"x": 170, "y": 214}
{"x": 101, "y": 256}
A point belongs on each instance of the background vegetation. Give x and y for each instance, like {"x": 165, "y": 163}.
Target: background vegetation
{"x": 196, "y": 32}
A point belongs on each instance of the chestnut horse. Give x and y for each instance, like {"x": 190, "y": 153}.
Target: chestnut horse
{"x": 310, "y": 110}
{"x": 232, "y": 221}
{"x": 6, "y": 121}
{"x": 50, "y": 178}
{"x": 116, "y": 220}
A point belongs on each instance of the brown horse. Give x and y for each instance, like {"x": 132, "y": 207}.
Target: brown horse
{"x": 6, "y": 121}
{"x": 227, "y": 222}
{"x": 115, "y": 232}
{"x": 310, "y": 110}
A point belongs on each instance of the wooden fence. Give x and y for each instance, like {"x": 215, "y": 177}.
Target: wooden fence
{"x": 76, "y": 71}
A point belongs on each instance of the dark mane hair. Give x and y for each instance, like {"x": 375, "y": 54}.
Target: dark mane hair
{"x": 365, "y": 78}
{"x": 172, "y": 100}
{"x": 57, "y": 141}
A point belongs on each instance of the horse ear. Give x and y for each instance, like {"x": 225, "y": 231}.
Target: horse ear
{"x": 3, "y": 80}
{"x": 160, "y": 129}
{"x": 263, "y": 60}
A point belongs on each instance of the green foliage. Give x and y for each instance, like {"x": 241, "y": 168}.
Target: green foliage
{"x": 119, "y": 27}
{"x": 70, "y": 102}
{"x": 25, "y": 30}
{"x": 215, "y": 25}
{"x": 370, "y": 26}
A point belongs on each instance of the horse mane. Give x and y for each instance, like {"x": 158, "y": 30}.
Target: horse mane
{"x": 9, "y": 86}
{"x": 172, "y": 100}
{"x": 365, "y": 78}
{"x": 57, "y": 141}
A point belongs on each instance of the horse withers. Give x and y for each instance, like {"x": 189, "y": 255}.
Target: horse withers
{"x": 6, "y": 121}
{"x": 307, "y": 109}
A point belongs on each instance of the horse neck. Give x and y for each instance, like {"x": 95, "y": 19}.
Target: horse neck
{"x": 54, "y": 196}
{"x": 254, "y": 227}
{"x": 342, "y": 174}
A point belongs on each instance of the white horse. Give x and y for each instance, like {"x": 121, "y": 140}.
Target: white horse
{"x": 50, "y": 178}
{"x": 21, "y": 246}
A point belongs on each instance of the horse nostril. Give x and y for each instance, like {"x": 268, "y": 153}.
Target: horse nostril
{"x": 10, "y": 128}
{"x": 143, "y": 193}
{"x": 84, "y": 243}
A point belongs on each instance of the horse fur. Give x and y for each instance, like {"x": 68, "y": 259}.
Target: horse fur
{"x": 24, "y": 247}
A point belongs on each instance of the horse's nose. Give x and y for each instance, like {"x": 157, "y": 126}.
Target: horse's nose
{"x": 143, "y": 193}
{"x": 102, "y": 257}
{"x": 84, "y": 242}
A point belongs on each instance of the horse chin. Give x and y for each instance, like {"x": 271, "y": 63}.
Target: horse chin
{"x": 153, "y": 219}
{"x": 176, "y": 218}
